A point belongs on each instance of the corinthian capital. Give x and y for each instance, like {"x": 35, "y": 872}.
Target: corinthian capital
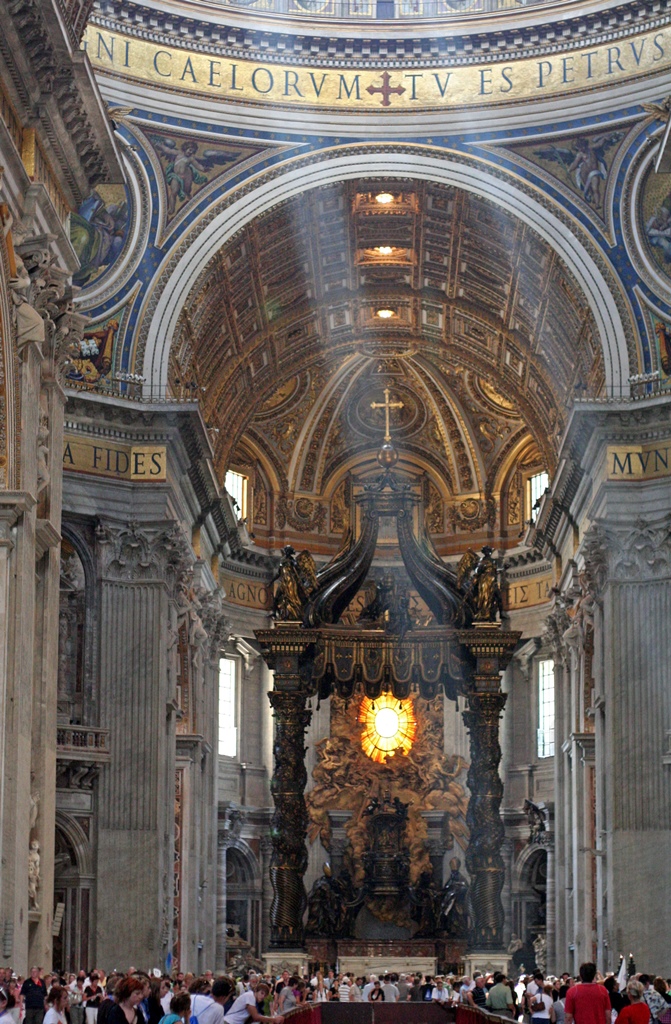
{"x": 638, "y": 552}
{"x": 556, "y": 625}
{"x": 644, "y": 552}
{"x": 595, "y": 549}
{"x": 135, "y": 551}
{"x": 215, "y": 623}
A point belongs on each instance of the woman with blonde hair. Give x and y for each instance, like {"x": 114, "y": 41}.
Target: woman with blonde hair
{"x": 638, "y": 1011}
{"x": 321, "y": 993}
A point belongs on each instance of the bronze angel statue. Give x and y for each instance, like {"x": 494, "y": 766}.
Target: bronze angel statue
{"x": 478, "y": 579}
{"x": 296, "y": 579}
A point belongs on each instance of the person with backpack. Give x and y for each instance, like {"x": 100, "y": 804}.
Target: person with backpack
{"x": 209, "y": 1009}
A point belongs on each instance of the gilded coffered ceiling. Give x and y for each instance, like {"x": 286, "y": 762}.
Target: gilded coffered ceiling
{"x": 485, "y": 338}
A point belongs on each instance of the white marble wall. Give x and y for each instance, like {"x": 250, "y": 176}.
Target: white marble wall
{"x": 613, "y": 780}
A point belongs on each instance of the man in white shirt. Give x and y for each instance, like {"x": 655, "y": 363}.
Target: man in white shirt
{"x": 245, "y": 1009}
{"x": 367, "y": 989}
{"x": 210, "y": 1009}
{"x": 389, "y": 989}
{"x": 167, "y": 995}
{"x": 343, "y": 989}
{"x": 440, "y": 994}
{"x": 465, "y": 992}
{"x": 534, "y": 990}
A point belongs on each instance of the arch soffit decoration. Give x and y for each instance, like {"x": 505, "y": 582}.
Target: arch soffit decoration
{"x": 181, "y": 269}
{"x": 507, "y": 462}
{"x": 525, "y": 863}
{"x": 249, "y": 861}
{"x": 83, "y": 551}
{"x": 79, "y": 842}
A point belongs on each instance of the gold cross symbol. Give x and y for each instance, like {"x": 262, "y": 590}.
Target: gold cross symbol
{"x": 387, "y": 405}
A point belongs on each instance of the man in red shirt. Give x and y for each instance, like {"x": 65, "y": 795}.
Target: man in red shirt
{"x": 587, "y": 1002}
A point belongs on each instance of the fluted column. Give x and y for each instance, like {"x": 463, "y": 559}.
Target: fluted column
{"x": 557, "y": 935}
{"x": 220, "y": 954}
{"x": 492, "y": 649}
{"x": 550, "y": 912}
{"x": 631, "y": 565}
{"x": 217, "y": 628}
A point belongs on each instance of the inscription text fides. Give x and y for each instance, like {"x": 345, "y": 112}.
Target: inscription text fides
{"x": 123, "y": 462}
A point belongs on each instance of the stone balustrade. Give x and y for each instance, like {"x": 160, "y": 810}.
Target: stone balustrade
{"x": 82, "y": 743}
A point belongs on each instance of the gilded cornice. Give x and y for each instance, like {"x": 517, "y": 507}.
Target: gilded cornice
{"x": 37, "y": 60}
{"x": 496, "y": 39}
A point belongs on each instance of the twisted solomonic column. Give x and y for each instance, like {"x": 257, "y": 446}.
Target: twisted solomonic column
{"x": 483, "y": 857}
{"x": 492, "y": 647}
{"x": 288, "y": 829}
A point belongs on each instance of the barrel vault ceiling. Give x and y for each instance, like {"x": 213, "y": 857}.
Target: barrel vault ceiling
{"x": 486, "y": 340}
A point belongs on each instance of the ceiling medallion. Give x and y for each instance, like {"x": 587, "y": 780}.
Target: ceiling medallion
{"x": 469, "y": 508}
{"x": 367, "y": 418}
{"x": 389, "y": 726}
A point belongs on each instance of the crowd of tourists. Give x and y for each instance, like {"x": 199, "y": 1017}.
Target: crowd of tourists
{"x": 90, "y": 997}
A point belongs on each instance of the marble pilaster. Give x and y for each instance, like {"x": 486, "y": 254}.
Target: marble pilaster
{"x": 606, "y": 519}
{"x": 139, "y": 567}
{"x": 16, "y": 599}
{"x": 45, "y": 680}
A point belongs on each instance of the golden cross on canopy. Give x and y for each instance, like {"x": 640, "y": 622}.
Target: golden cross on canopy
{"x": 387, "y": 405}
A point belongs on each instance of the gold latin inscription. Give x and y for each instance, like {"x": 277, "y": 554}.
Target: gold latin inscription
{"x": 118, "y": 461}
{"x": 528, "y": 592}
{"x": 242, "y": 80}
{"x": 639, "y": 462}
{"x": 247, "y": 593}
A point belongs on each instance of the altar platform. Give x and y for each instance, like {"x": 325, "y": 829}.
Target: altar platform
{"x": 362, "y": 957}
{"x": 390, "y": 1013}
{"x": 373, "y": 1013}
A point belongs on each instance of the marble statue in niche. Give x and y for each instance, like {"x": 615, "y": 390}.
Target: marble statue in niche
{"x": 33, "y": 874}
